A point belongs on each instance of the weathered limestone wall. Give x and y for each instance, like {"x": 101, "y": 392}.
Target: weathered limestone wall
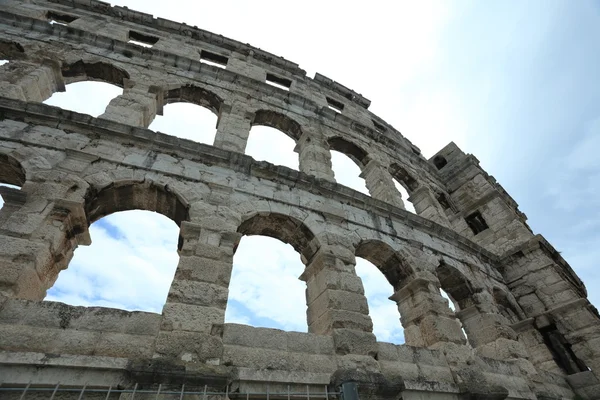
{"x": 530, "y": 331}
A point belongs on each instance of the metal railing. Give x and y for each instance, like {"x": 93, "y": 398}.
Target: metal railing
{"x": 80, "y": 393}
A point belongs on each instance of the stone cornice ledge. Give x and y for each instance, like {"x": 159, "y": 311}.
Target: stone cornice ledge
{"x": 58, "y": 118}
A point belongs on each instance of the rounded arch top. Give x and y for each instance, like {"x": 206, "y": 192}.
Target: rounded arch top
{"x": 283, "y": 227}
{"x": 394, "y": 265}
{"x": 94, "y": 71}
{"x": 456, "y": 284}
{"x": 11, "y": 171}
{"x": 195, "y": 95}
{"x": 131, "y": 195}
{"x": 403, "y": 177}
{"x": 278, "y": 121}
{"x": 357, "y": 154}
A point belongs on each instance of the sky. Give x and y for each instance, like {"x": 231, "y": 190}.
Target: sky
{"x": 515, "y": 83}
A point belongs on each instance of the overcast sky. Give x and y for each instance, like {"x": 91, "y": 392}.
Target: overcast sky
{"x": 514, "y": 83}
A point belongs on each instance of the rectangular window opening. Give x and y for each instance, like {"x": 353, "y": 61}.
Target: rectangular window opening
{"x": 335, "y": 105}
{"x": 216, "y": 60}
{"x": 60, "y": 19}
{"x": 279, "y": 82}
{"x": 378, "y": 127}
{"x": 142, "y": 39}
{"x": 476, "y": 222}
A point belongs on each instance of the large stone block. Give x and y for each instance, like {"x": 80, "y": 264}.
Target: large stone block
{"x": 187, "y": 317}
{"x": 350, "y": 341}
{"x": 189, "y": 346}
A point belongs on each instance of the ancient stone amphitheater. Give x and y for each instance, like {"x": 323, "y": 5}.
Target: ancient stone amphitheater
{"x": 530, "y": 331}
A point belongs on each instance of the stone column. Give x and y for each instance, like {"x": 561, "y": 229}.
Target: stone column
{"x": 39, "y": 237}
{"x": 490, "y": 335}
{"x": 337, "y": 305}
{"x": 425, "y": 315}
{"x": 233, "y": 127}
{"x": 31, "y": 82}
{"x": 137, "y": 106}
{"x": 314, "y": 156}
{"x": 194, "y": 313}
{"x": 427, "y": 206}
{"x": 381, "y": 184}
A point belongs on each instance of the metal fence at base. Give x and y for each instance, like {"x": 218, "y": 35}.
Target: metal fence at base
{"x": 58, "y": 392}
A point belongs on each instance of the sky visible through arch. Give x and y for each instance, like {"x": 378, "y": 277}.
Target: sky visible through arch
{"x": 515, "y": 83}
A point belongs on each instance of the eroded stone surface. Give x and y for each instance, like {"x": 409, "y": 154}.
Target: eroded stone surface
{"x": 531, "y": 333}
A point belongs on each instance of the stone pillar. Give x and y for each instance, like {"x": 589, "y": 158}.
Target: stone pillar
{"x": 490, "y": 335}
{"x": 39, "y": 237}
{"x": 337, "y": 305}
{"x": 137, "y": 106}
{"x": 314, "y": 156}
{"x": 233, "y": 127}
{"x": 31, "y": 82}
{"x": 194, "y": 313}
{"x": 427, "y": 206}
{"x": 425, "y": 315}
{"x": 381, "y": 184}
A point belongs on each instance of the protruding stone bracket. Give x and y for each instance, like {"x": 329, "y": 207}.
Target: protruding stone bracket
{"x": 77, "y": 220}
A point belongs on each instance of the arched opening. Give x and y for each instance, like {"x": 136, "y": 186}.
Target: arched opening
{"x": 439, "y": 162}
{"x": 190, "y": 113}
{"x": 347, "y": 162}
{"x": 85, "y": 97}
{"x": 383, "y": 271}
{"x": 265, "y": 290}
{"x": 405, "y": 196}
{"x": 456, "y": 289}
{"x": 129, "y": 265}
{"x": 89, "y": 87}
{"x": 405, "y": 184}
{"x": 266, "y": 142}
{"x": 187, "y": 121}
{"x": 12, "y": 176}
{"x": 10, "y": 50}
{"x": 133, "y": 256}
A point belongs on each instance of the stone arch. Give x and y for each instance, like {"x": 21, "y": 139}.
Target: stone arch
{"x": 132, "y": 195}
{"x": 94, "y": 71}
{"x": 389, "y": 261}
{"x": 403, "y": 177}
{"x": 195, "y": 95}
{"x": 11, "y": 50}
{"x": 282, "y": 227}
{"x": 11, "y": 171}
{"x": 507, "y": 305}
{"x": 278, "y": 121}
{"x": 356, "y": 154}
{"x": 456, "y": 284}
